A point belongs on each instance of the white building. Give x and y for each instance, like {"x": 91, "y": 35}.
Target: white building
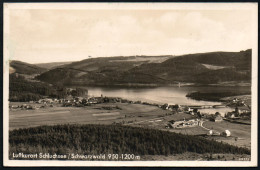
{"x": 210, "y": 132}
{"x": 226, "y": 133}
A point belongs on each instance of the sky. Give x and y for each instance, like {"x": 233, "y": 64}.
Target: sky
{"x": 57, "y": 35}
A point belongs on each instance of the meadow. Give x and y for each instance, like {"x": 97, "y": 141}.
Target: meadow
{"x": 136, "y": 115}
{"x": 240, "y": 133}
{"x": 95, "y": 114}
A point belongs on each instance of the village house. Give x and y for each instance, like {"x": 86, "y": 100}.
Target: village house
{"x": 165, "y": 106}
{"x": 183, "y": 123}
{"x": 175, "y": 107}
{"x": 200, "y": 123}
{"x": 92, "y": 101}
{"x": 226, "y": 133}
{"x": 125, "y": 101}
{"x": 213, "y": 132}
{"x": 229, "y": 115}
{"x": 14, "y": 107}
{"x": 187, "y": 109}
{"x": 119, "y": 100}
{"x": 137, "y": 102}
{"x": 235, "y": 100}
{"x": 237, "y": 111}
{"x": 218, "y": 118}
{"x": 170, "y": 108}
{"x": 131, "y": 102}
{"x": 210, "y": 132}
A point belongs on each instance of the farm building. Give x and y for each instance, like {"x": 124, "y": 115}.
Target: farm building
{"x": 226, "y": 133}
{"x": 14, "y": 106}
{"x": 175, "y": 107}
{"x": 191, "y": 112}
{"x": 184, "y": 123}
{"x": 237, "y": 111}
{"x": 210, "y": 132}
{"x": 218, "y": 119}
{"x": 213, "y": 132}
{"x": 187, "y": 109}
{"x": 165, "y": 106}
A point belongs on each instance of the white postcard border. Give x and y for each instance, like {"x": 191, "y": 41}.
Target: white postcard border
{"x": 124, "y": 6}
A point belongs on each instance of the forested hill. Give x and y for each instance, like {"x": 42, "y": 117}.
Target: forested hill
{"x": 201, "y": 68}
{"x": 22, "y": 90}
{"x": 25, "y": 68}
{"x": 108, "y": 139}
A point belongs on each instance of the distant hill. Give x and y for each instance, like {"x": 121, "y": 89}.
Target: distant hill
{"x": 25, "y": 68}
{"x": 233, "y": 66}
{"x": 103, "y": 70}
{"x": 52, "y": 65}
{"x": 201, "y": 68}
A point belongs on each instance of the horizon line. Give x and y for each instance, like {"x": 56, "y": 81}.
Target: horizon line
{"x": 130, "y": 56}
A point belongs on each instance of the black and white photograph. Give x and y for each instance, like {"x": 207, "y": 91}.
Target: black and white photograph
{"x": 130, "y": 84}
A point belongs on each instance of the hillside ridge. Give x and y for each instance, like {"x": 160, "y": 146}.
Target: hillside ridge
{"x": 199, "y": 68}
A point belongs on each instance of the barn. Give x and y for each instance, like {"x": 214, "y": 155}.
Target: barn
{"x": 226, "y": 133}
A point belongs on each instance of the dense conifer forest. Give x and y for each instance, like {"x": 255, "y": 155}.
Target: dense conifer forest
{"x": 22, "y": 90}
{"x": 108, "y": 139}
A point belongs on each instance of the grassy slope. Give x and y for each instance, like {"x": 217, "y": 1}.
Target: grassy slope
{"x": 52, "y": 65}
{"x": 25, "y": 68}
{"x": 242, "y": 131}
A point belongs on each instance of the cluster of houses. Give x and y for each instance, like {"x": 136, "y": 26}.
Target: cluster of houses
{"x": 71, "y": 101}
{"x": 239, "y": 112}
{"x": 237, "y": 102}
{"x": 80, "y": 101}
{"x": 184, "y": 123}
{"x": 192, "y": 110}
{"x": 86, "y": 101}
{"x": 195, "y": 122}
{"x": 23, "y": 107}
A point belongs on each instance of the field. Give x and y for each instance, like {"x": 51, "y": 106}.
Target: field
{"x": 96, "y": 114}
{"x": 240, "y": 133}
{"x": 136, "y": 115}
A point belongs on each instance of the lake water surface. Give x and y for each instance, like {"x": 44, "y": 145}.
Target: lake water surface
{"x": 170, "y": 95}
{"x": 161, "y": 95}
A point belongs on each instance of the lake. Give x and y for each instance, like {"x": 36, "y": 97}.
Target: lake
{"x": 170, "y": 95}
{"x": 161, "y": 95}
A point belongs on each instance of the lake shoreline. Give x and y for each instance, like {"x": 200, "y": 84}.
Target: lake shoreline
{"x": 215, "y": 97}
{"x": 149, "y": 85}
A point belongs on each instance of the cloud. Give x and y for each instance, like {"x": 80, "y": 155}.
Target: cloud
{"x": 56, "y": 35}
